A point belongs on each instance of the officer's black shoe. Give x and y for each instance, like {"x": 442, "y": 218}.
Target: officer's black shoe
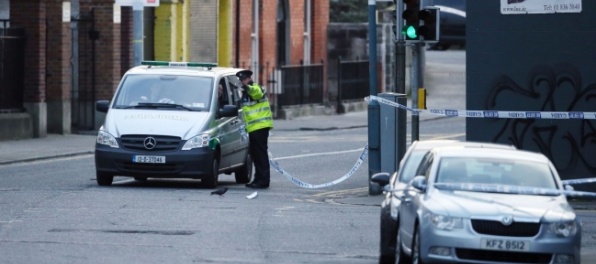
{"x": 255, "y": 185}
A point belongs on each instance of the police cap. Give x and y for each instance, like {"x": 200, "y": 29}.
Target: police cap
{"x": 243, "y": 74}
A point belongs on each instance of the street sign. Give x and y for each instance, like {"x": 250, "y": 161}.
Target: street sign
{"x": 131, "y": 2}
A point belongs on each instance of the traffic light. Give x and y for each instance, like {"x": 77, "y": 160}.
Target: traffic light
{"x": 429, "y": 27}
{"x": 411, "y": 20}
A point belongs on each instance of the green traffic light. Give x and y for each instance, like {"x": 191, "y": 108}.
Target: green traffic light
{"x": 409, "y": 31}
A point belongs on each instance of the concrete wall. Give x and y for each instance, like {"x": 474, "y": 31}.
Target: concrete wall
{"x": 15, "y": 126}
{"x": 534, "y": 62}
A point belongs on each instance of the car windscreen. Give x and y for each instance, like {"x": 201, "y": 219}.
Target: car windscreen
{"x": 511, "y": 172}
{"x": 165, "y": 91}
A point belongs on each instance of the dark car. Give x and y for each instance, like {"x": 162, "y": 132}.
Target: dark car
{"x": 452, "y": 25}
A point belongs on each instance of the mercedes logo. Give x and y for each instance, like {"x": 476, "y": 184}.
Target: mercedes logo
{"x": 507, "y": 220}
{"x": 149, "y": 143}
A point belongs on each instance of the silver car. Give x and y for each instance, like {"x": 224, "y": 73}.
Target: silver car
{"x": 399, "y": 181}
{"x": 470, "y": 205}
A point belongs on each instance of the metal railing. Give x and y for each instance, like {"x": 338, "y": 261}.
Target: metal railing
{"x": 352, "y": 79}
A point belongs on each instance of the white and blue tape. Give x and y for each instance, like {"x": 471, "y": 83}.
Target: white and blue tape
{"x": 303, "y": 184}
{"x": 494, "y": 188}
{"x": 489, "y": 113}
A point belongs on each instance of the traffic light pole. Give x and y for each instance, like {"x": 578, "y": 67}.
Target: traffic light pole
{"x": 374, "y": 126}
{"x": 400, "y": 59}
{"x": 416, "y": 82}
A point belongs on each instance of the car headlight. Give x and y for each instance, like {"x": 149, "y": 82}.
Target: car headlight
{"x": 196, "y": 142}
{"x": 105, "y": 138}
{"x": 445, "y": 222}
{"x": 564, "y": 229}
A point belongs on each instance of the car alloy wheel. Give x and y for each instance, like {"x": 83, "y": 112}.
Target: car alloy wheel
{"x": 416, "y": 247}
{"x": 400, "y": 256}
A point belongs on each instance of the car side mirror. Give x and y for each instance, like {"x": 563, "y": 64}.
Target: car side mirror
{"x": 102, "y": 106}
{"x": 569, "y": 188}
{"x": 419, "y": 182}
{"x": 381, "y": 178}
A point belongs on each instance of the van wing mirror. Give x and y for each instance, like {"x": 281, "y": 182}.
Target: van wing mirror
{"x": 102, "y": 106}
{"x": 228, "y": 111}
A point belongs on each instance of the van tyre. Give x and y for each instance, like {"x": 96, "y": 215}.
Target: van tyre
{"x": 104, "y": 179}
{"x": 244, "y": 173}
{"x": 210, "y": 181}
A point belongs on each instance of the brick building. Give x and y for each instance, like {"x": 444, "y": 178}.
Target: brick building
{"x": 75, "y": 52}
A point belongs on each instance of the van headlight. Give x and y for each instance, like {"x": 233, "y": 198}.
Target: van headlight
{"x": 564, "y": 229}
{"x": 105, "y": 138}
{"x": 445, "y": 222}
{"x": 196, "y": 142}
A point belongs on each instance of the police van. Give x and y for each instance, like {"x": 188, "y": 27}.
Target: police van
{"x": 174, "y": 120}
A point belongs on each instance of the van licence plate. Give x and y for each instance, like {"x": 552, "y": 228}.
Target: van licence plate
{"x": 504, "y": 244}
{"x": 148, "y": 159}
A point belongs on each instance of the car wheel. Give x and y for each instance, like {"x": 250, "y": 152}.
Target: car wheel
{"x": 400, "y": 255}
{"x": 416, "y": 259}
{"x": 245, "y": 172}
{"x": 387, "y": 235}
{"x": 104, "y": 179}
{"x": 210, "y": 181}
{"x": 140, "y": 178}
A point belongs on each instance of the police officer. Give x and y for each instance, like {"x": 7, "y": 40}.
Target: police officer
{"x": 258, "y": 120}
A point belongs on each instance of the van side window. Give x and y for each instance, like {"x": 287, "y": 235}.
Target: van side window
{"x": 224, "y": 98}
{"x": 234, "y": 85}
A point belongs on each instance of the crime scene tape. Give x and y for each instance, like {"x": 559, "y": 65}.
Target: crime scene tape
{"x": 495, "y": 188}
{"x": 579, "y": 181}
{"x": 488, "y": 113}
{"x": 303, "y": 184}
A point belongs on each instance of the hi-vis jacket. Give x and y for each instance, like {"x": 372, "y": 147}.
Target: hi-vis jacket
{"x": 256, "y": 109}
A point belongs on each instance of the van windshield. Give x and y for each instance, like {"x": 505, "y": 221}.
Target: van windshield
{"x": 164, "y": 91}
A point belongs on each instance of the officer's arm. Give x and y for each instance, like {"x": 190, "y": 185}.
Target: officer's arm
{"x": 255, "y": 91}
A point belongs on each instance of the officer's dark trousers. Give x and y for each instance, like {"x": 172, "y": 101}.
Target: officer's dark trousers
{"x": 258, "y": 152}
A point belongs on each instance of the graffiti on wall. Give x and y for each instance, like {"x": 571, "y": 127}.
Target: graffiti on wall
{"x": 569, "y": 144}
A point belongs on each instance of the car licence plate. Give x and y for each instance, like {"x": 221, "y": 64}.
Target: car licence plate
{"x": 148, "y": 159}
{"x": 504, "y": 244}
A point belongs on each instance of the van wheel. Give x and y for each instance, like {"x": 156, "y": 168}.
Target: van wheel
{"x": 210, "y": 181}
{"x": 104, "y": 179}
{"x": 244, "y": 173}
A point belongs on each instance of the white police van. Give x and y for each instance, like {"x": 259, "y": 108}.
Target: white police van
{"x": 166, "y": 120}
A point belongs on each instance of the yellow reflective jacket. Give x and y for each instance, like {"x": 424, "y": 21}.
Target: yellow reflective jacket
{"x": 256, "y": 109}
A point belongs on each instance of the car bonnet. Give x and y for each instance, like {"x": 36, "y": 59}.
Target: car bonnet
{"x": 532, "y": 208}
{"x": 183, "y": 124}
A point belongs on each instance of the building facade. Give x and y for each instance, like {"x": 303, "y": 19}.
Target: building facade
{"x": 75, "y": 52}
